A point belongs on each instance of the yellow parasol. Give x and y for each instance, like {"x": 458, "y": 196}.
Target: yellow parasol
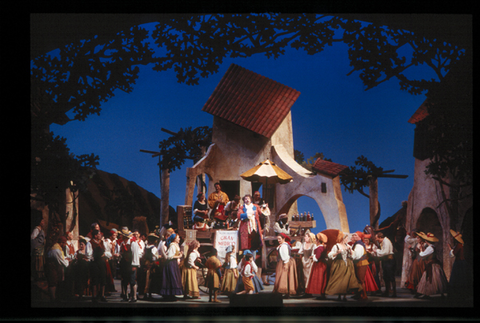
{"x": 267, "y": 173}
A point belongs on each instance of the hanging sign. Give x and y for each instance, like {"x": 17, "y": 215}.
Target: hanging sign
{"x": 223, "y": 239}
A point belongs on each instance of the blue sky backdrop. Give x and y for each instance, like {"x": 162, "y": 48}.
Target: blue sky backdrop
{"x": 333, "y": 115}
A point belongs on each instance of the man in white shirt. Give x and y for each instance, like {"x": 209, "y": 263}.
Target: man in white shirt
{"x": 136, "y": 255}
{"x": 388, "y": 264}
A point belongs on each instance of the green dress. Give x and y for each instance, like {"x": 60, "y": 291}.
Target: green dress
{"x": 342, "y": 279}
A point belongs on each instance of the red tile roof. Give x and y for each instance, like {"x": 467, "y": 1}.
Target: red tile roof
{"x": 328, "y": 168}
{"x": 242, "y": 94}
{"x": 420, "y": 114}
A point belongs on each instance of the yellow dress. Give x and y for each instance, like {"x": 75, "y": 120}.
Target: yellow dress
{"x": 213, "y": 280}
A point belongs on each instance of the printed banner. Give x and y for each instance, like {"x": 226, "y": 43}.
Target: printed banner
{"x": 223, "y": 239}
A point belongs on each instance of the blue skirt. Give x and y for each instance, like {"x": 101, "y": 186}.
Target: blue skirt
{"x": 171, "y": 283}
{"x": 257, "y": 283}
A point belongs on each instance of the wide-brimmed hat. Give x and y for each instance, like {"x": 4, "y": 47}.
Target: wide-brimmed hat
{"x": 429, "y": 236}
{"x": 126, "y": 233}
{"x": 281, "y": 216}
{"x": 152, "y": 235}
{"x": 457, "y": 236}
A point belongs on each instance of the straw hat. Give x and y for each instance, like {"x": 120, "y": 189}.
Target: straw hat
{"x": 153, "y": 235}
{"x": 126, "y": 233}
{"x": 429, "y": 236}
{"x": 457, "y": 236}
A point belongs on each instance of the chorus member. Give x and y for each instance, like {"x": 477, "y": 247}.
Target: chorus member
{"x": 189, "y": 271}
{"x": 433, "y": 280}
{"x": 342, "y": 279}
{"x": 217, "y": 201}
{"x": 112, "y": 254}
{"x": 80, "y": 268}
{"x": 281, "y": 226}
{"x": 318, "y": 276}
{"x": 135, "y": 248}
{"x": 306, "y": 252}
{"x": 359, "y": 257}
{"x": 231, "y": 210}
{"x": 418, "y": 266}
{"x": 70, "y": 256}
{"x": 230, "y": 276}
{"x": 171, "y": 274}
{"x": 386, "y": 256}
{"x": 257, "y": 283}
{"x": 98, "y": 275}
{"x": 200, "y": 208}
{"x": 247, "y": 276}
{"x": 148, "y": 261}
{"x": 55, "y": 266}
{"x": 250, "y": 232}
{"x": 286, "y": 270}
{"x": 213, "y": 278}
{"x": 461, "y": 277}
{"x": 37, "y": 248}
{"x": 372, "y": 282}
{"x": 125, "y": 263}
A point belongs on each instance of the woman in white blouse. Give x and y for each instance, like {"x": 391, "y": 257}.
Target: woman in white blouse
{"x": 189, "y": 271}
{"x": 286, "y": 271}
{"x": 171, "y": 276}
{"x": 306, "y": 250}
{"x": 433, "y": 280}
{"x": 342, "y": 279}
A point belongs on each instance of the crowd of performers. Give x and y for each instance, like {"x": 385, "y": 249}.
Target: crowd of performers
{"x": 354, "y": 263}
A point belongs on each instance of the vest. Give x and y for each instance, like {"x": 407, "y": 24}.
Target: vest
{"x": 362, "y": 261}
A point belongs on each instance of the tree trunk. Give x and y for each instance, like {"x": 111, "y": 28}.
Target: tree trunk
{"x": 165, "y": 192}
{"x": 374, "y": 205}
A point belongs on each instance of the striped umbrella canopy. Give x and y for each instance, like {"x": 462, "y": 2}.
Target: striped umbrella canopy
{"x": 267, "y": 173}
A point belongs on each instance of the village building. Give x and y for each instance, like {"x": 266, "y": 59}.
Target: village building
{"x": 253, "y": 123}
{"x": 429, "y": 200}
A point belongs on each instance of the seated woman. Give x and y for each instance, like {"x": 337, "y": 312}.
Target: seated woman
{"x": 200, "y": 207}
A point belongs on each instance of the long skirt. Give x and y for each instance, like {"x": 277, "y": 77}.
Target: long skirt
{"x": 190, "y": 282}
{"x": 156, "y": 276}
{"x": 212, "y": 281}
{"x": 229, "y": 281}
{"x": 418, "y": 267}
{"x": 171, "y": 279}
{"x": 370, "y": 284}
{"x": 81, "y": 275}
{"x": 307, "y": 269}
{"x": 318, "y": 279}
{"x": 342, "y": 278}
{"x": 286, "y": 278}
{"x": 437, "y": 285}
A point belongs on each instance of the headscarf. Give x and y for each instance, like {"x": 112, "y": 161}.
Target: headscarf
{"x": 322, "y": 237}
{"x": 170, "y": 239}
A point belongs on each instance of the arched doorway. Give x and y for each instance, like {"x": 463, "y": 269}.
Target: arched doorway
{"x": 428, "y": 222}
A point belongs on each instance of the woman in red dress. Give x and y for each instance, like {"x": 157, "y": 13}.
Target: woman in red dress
{"x": 318, "y": 276}
{"x": 372, "y": 283}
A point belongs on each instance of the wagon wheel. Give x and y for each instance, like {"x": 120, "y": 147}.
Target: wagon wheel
{"x": 202, "y": 272}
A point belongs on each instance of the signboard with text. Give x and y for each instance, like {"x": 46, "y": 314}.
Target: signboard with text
{"x": 223, "y": 239}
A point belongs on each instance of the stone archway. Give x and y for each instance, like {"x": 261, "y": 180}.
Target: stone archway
{"x": 428, "y": 222}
